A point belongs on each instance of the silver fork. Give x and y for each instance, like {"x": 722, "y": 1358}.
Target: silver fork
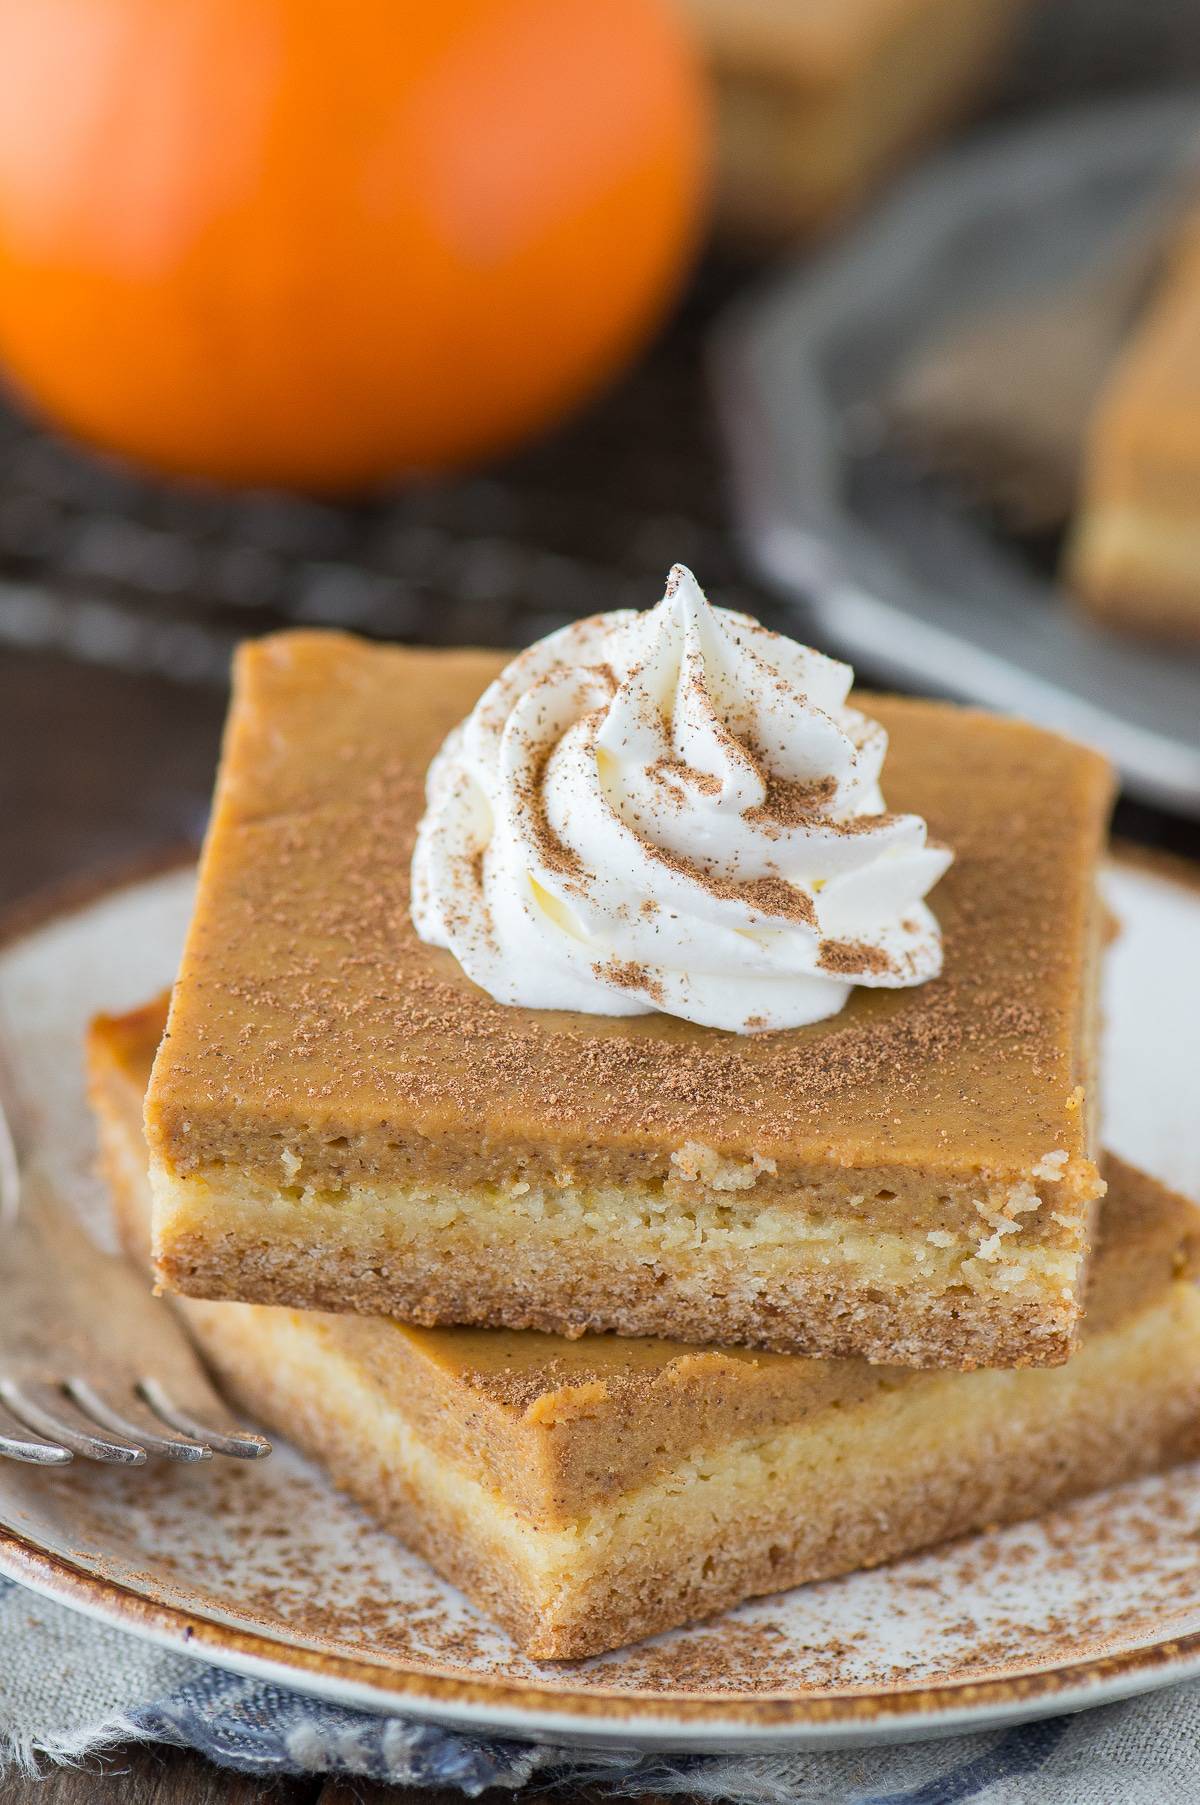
{"x": 90, "y": 1362}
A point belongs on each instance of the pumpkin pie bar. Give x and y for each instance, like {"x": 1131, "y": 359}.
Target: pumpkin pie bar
{"x": 820, "y": 100}
{"x": 587, "y": 1493}
{"x": 1134, "y": 557}
{"x": 340, "y": 1120}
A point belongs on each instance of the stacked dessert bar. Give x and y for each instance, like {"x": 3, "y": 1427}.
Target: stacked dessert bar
{"x": 818, "y": 103}
{"x": 691, "y": 1247}
{"x": 1135, "y": 546}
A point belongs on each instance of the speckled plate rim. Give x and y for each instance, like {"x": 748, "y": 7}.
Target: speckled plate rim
{"x": 593, "y": 1715}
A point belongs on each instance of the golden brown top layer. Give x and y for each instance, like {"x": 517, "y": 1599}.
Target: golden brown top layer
{"x": 307, "y": 1008}
{"x": 557, "y": 1422}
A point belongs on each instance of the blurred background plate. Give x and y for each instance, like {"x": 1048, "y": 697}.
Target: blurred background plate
{"x": 836, "y": 516}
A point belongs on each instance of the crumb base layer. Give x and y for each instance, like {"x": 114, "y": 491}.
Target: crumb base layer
{"x": 708, "y": 1270}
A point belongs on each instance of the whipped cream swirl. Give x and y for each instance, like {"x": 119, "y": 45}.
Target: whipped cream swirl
{"x": 673, "y": 811}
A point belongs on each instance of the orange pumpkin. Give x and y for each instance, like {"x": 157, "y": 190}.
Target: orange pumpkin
{"x": 317, "y": 242}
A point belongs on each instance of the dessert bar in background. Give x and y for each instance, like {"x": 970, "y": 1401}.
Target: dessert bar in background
{"x": 1134, "y": 558}
{"x": 819, "y": 100}
{"x": 587, "y": 1493}
{"x": 340, "y": 1120}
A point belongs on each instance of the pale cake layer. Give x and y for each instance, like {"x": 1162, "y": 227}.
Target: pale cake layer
{"x": 640, "y": 1263}
{"x": 315, "y": 1045}
{"x": 587, "y": 1493}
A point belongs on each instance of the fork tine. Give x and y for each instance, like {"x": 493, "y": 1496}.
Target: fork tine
{"x": 131, "y": 1418}
{"x": 45, "y": 1408}
{"x": 209, "y": 1422}
{"x": 20, "y": 1446}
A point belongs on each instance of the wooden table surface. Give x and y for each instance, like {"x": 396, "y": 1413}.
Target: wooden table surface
{"x": 161, "y": 1776}
{"x": 158, "y": 1776}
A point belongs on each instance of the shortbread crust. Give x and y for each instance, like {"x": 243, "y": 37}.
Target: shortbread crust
{"x": 338, "y": 1119}
{"x": 590, "y": 1492}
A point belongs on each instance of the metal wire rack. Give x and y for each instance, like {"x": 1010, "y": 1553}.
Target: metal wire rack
{"x": 113, "y": 567}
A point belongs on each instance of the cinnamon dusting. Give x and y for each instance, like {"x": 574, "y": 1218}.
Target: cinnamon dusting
{"x": 629, "y": 974}
{"x": 854, "y": 958}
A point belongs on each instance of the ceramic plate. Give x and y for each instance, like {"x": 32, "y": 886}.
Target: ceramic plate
{"x": 264, "y": 1568}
